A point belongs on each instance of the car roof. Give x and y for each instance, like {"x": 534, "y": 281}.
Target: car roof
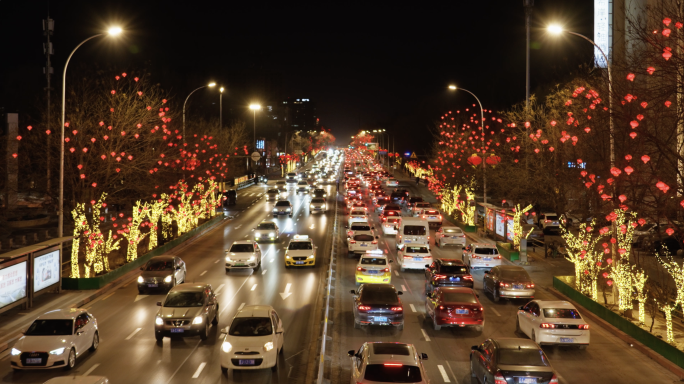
{"x": 163, "y": 258}
{"x": 62, "y": 314}
{"x": 190, "y": 287}
{"x": 255, "y": 311}
{"x": 243, "y": 242}
{"x": 483, "y": 245}
{"x": 554, "y": 304}
{"x": 380, "y": 352}
{"x": 457, "y": 289}
{"x": 514, "y": 343}
{"x": 445, "y": 261}
{"x": 378, "y": 287}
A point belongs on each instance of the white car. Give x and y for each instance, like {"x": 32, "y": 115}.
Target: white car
{"x": 317, "y": 204}
{"x": 243, "y": 254}
{"x": 359, "y": 244}
{"x": 55, "y": 339}
{"x": 417, "y": 209}
{"x": 389, "y": 226}
{"x": 450, "y": 235}
{"x": 266, "y": 231}
{"x": 303, "y": 186}
{"x": 391, "y": 182}
{"x": 361, "y": 228}
{"x": 414, "y": 256}
{"x": 382, "y": 362}
{"x": 553, "y": 323}
{"x": 548, "y": 219}
{"x": 254, "y": 339}
{"x": 301, "y": 252}
{"x": 356, "y": 215}
{"x": 433, "y": 217}
{"x": 481, "y": 255}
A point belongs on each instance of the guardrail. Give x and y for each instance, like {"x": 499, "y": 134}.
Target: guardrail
{"x": 326, "y": 311}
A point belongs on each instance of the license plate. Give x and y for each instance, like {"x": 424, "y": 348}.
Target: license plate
{"x": 517, "y": 286}
{"x": 372, "y": 272}
{"x": 567, "y": 340}
{"x": 239, "y": 265}
{"x": 461, "y": 311}
{"x": 407, "y": 241}
{"x": 317, "y": 208}
{"x": 454, "y": 237}
{"x": 177, "y": 330}
{"x": 299, "y": 262}
{"x": 455, "y": 279}
{"x": 381, "y": 319}
{"x": 432, "y": 217}
{"x": 487, "y": 259}
{"x": 246, "y": 362}
{"x": 527, "y": 380}
{"x": 35, "y": 360}
{"x": 364, "y": 245}
{"x": 152, "y": 285}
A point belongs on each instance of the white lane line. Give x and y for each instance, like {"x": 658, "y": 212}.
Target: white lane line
{"x": 108, "y": 296}
{"x": 88, "y": 372}
{"x": 263, "y": 272}
{"x": 218, "y": 290}
{"x": 217, "y": 261}
{"x": 140, "y": 297}
{"x": 403, "y": 288}
{"x": 202, "y": 274}
{"x": 413, "y": 308}
{"x": 452, "y": 372}
{"x": 240, "y": 307}
{"x": 201, "y": 367}
{"x": 133, "y": 334}
{"x": 253, "y": 287}
{"x": 427, "y": 338}
{"x": 396, "y": 273}
{"x": 443, "y": 372}
{"x": 238, "y": 227}
{"x": 495, "y": 311}
{"x": 271, "y": 260}
{"x": 184, "y": 361}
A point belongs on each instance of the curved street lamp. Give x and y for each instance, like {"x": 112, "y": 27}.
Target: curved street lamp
{"x": 255, "y": 108}
{"x": 212, "y": 84}
{"x": 113, "y": 31}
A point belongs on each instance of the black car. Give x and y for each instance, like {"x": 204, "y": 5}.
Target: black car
{"x": 413, "y": 200}
{"x": 397, "y": 197}
{"x": 378, "y": 304}
{"x": 229, "y": 197}
{"x": 447, "y": 273}
{"x": 510, "y": 360}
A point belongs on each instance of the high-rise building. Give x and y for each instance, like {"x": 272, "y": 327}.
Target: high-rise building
{"x": 299, "y": 114}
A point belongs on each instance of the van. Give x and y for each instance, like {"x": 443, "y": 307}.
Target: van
{"x": 412, "y": 230}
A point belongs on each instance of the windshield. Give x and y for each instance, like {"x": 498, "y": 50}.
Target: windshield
{"x": 526, "y": 356}
{"x": 392, "y": 373}
{"x": 299, "y": 245}
{"x": 266, "y": 226}
{"x": 318, "y": 200}
{"x": 360, "y": 228}
{"x": 242, "y": 248}
{"x": 415, "y": 230}
{"x": 452, "y": 230}
{"x": 251, "y": 326}
{"x": 358, "y": 213}
{"x": 272, "y": 191}
{"x": 283, "y": 204}
{"x": 184, "y": 299}
{"x": 561, "y": 313}
{"x": 422, "y": 205}
{"x": 373, "y": 261}
{"x": 281, "y": 182}
{"x": 410, "y": 249}
{"x": 159, "y": 265}
{"x": 551, "y": 217}
{"x": 458, "y": 297}
{"x": 486, "y": 251}
{"x": 50, "y": 328}
{"x": 458, "y": 269}
{"x": 515, "y": 275}
{"x": 386, "y": 296}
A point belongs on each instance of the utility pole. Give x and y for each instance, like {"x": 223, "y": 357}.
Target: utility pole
{"x": 48, "y": 30}
{"x": 528, "y": 4}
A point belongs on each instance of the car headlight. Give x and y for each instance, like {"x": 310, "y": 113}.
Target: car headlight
{"x": 228, "y": 259}
{"x": 226, "y": 347}
{"x": 140, "y": 279}
{"x": 275, "y": 209}
{"x": 168, "y": 278}
{"x": 159, "y": 321}
{"x": 325, "y": 206}
{"x": 57, "y": 351}
{"x": 197, "y": 320}
{"x": 15, "y": 352}
{"x": 272, "y": 234}
{"x": 251, "y": 259}
{"x": 289, "y": 209}
{"x": 287, "y": 257}
{"x": 268, "y": 346}
{"x": 311, "y": 256}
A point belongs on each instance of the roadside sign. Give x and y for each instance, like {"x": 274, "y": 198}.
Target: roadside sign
{"x": 256, "y": 156}
{"x": 413, "y": 155}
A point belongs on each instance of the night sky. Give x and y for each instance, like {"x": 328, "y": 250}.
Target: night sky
{"x": 366, "y": 66}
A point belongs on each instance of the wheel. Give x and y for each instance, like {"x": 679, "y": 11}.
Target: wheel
{"x": 215, "y": 321}
{"x": 174, "y": 282}
{"x": 224, "y": 370}
{"x": 204, "y": 333}
{"x": 496, "y": 296}
{"x": 141, "y": 292}
{"x": 257, "y": 267}
{"x": 71, "y": 360}
{"x": 96, "y": 342}
{"x": 400, "y": 328}
{"x": 275, "y": 367}
{"x": 435, "y": 326}
{"x": 158, "y": 336}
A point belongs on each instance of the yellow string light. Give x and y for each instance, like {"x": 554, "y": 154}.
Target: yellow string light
{"x": 517, "y": 225}
{"x": 586, "y": 257}
{"x": 132, "y": 231}
{"x": 622, "y": 271}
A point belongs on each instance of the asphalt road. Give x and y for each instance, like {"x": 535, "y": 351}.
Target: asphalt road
{"x": 607, "y": 359}
{"x": 128, "y": 352}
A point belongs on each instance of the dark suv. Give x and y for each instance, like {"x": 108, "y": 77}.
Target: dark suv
{"x": 447, "y": 273}
{"x": 378, "y": 304}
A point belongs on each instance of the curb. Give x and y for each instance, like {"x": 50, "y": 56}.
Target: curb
{"x": 116, "y": 283}
{"x": 665, "y": 363}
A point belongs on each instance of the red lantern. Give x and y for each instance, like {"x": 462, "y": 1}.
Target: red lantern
{"x": 669, "y": 231}
{"x": 629, "y": 170}
{"x": 615, "y": 171}
{"x": 650, "y": 70}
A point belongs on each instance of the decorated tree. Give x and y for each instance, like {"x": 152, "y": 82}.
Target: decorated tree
{"x": 583, "y": 252}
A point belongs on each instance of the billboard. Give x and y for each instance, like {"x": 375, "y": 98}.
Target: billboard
{"x": 509, "y": 229}
{"x": 12, "y": 283}
{"x": 500, "y": 223}
{"x": 45, "y": 270}
{"x": 602, "y": 31}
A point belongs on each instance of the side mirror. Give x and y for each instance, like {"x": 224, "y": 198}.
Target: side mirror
{"x": 400, "y": 293}
{"x": 351, "y": 353}
{"x": 279, "y": 331}
{"x": 486, "y": 272}
{"x": 353, "y": 292}
{"x": 159, "y": 304}
{"x": 79, "y": 332}
{"x": 424, "y": 356}
{"x": 521, "y": 307}
{"x": 178, "y": 268}
{"x": 475, "y": 348}
{"x": 427, "y": 265}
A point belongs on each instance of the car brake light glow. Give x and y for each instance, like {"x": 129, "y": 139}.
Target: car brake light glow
{"x": 438, "y": 277}
{"x": 374, "y": 242}
{"x": 386, "y": 269}
{"x": 467, "y": 277}
{"x": 397, "y": 309}
{"x": 530, "y": 285}
{"x": 554, "y": 379}
{"x": 364, "y": 308}
{"x": 499, "y": 379}
{"x": 505, "y": 285}
{"x": 360, "y": 269}
{"x": 547, "y": 325}
{"x": 441, "y": 307}
{"x": 583, "y": 326}
{"x": 352, "y": 241}
{"x": 393, "y": 365}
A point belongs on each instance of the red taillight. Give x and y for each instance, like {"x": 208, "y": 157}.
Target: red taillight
{"x": 497, "y": 257}
{"x": 547, "y": 325}
{"x": 547, "y": 221}
{"x": 439, "y": 277}
{"x": 397, "y": 309}
{"x": 441, "y": 307}
{"x": 374, "y": 242}
{"x": 393, "y": 365}
{"x": 499, "y": 379}
{"x": 423, "y": 216}
{"x": 504, "y": 285}
{"x": 350, "y": 233}
{"x": 360, "y": 269}
{"x": 352, "y": 242}
{"x": 474, "y": 256}
{"x": 427, "y": 257}
{"x": 440, "y": 217}
{"x": 386, "y": 269}
{"x": 583, "y": 326}
{"x": 530, "y": 285}
{"x": 467, "y": 277}
{"x": 554, "y": 379}
{"x": 364, "y": 308}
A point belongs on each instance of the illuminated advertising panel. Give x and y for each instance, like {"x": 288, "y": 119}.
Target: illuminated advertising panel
{"x": 602, "y": 26}
{"x": 12, "y": 283}
{"x": 45, "y": 270}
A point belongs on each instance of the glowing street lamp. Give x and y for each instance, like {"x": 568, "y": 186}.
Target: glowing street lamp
{"x": 255, "y": 108}
{"x": 221, "y": 107}
{"x": 113, "y": 31}
{"x": 210, "y": 85}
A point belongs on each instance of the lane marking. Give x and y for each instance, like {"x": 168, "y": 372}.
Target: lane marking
{"x": 91, "y": 369}
{"x": 133, "y": 334}
{"x": 403, "y": 288}
{"x": 217, "y": 261}
{"x": 241, "y": 306}
{"x": 445, "y": 377}
{"x": 263, "y": 272}
{"x": 287, "y": 292}
{"x": 495, "y": 311}
{"x": 238, "y": 227}
{"x": 413, "y": 308}
{"x": 395, "y": 271}
{"x": 108, "y": 296}
{"x": 202, "y": 274}
{"x": 184, "y": 361}
{"x": 271, "y": 261}
{"x": 452, "y": 372}
{"x": 201, "y": 367}
{"x": 140, "y": 297}
{"x": 253, "y": 287}
{"x": 220, "y": 287}
{"x": 427, "y": 338}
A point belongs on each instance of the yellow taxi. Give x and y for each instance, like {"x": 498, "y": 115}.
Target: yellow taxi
{"x": 373, "y": 267}
{"x": 301, "y": 252}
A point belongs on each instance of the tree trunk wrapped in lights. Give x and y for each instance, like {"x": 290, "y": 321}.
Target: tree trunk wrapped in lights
{"x": 154, "y": 213}
{"x": 467, "y": 207}
{"x": 517, "y": 225}
{"x": 677, "y": 273}
{"x": 639, "y": 280}
{"x": 97, "y": 247}
{"x": 588, "y": 260}
{"x": 622, "y": 271}
{"x": 133, "y": 233}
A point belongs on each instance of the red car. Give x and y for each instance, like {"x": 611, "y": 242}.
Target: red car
{"x": 454, "y": 307}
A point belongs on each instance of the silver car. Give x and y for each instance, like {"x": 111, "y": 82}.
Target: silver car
{"x": 381, "y": 362}
{"x": 187, "y": 311}
{"x": 161, "y": 272}
{"x": 243, "y": 254}
{"x": 317, "y": 205}
{"x": 273, "y": 194}
{"x": 283, "y": 207}
{"x": 266, "y": 231}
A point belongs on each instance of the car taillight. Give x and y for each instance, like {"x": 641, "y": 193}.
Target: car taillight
{"x": 439, "y": 277}
{"x": 467, "y": 277}
{"x": 374, "y": 242}
{"x": 554, "y": 379}
{"x": 530, "y": 285}
{"x": 393, "y": 365}
{"x": 583, "y": 326}
{"x": 423, "y": 216}
{"x": 360, "y": 269}
{"x": 441, "y": 307}
{"x": 386, "y": 269}
{"x": 497, "y": 257}
{"x": 352, "y": 242}
{"x": 547, "y": 221}
{"x": 363, "y": 308}
{"x": 504, "y": 285}
{"x": 475, "y": 256}
{"x": 499, "y": 379}
{"x": 440, "y": 217}
{"x": 397, "y": 309}
{"x": 547, "y": 325}
{"x": 350, "y": 233}
{"x": 427, "y": 257}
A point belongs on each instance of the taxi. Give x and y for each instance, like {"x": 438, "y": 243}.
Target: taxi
{"x": 373, "y": 267}
{"x": 301, "y": 252}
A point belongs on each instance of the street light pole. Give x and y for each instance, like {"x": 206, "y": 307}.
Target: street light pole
{"x": 484, "y": 172}
{"x": 186, "y": 101}
{"x": 60, "y": 225}
{"x": 528, "y": 4}
{"x": 221, "y": 108}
